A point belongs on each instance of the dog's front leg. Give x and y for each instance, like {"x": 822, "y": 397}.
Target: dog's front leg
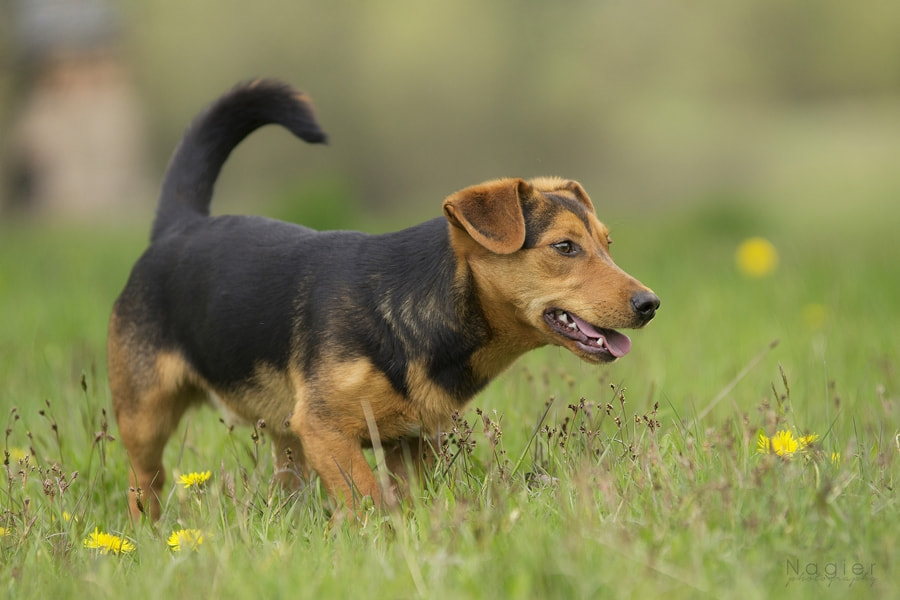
{"x": 291, "y": 469}
{"x": 409, "y": 461}
{"x": 339, "y": 461}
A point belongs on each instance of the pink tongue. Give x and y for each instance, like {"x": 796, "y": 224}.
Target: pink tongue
{"x": 618, "y": 343}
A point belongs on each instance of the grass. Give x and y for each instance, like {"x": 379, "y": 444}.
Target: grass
{"x": 561, "y": 480}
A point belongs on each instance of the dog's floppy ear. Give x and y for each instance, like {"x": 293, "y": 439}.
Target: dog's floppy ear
{"x": 491, "y": 213}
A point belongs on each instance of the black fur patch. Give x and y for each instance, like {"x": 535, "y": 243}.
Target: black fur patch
{"x": 539, "y": 216}
{"x": 399, "y": 304}
{"x": 236, "y": 293}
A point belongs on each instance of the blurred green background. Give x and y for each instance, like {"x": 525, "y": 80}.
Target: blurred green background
{"x": 692, "y": 125}
{"x": 655, "y": 106}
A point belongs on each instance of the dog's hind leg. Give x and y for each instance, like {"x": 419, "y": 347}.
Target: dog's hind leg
{"x": 146, "y": 421}
{"x": 149, "y": 398}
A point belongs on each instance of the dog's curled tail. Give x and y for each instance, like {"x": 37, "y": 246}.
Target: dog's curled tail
{"x": 188, "y": 185}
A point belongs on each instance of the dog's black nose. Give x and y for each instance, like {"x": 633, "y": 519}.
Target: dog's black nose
{"x": 645, "y": 305}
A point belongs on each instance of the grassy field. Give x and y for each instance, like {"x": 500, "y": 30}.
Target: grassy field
{"x": 639, "y": 479}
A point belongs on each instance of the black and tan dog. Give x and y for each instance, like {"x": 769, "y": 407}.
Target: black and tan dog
{"x": 339, "y": 338}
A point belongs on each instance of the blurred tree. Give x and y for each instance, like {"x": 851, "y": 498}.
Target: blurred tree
{"x": 647, "y": 102}
{"x": 75, "y": 145}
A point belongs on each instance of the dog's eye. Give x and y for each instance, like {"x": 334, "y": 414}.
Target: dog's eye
{"x": 566, "y": 247}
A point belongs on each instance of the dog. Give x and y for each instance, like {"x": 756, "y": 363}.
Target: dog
{"x": 339, "y": 340}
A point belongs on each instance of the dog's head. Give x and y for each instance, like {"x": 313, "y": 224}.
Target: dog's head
{"x": 541, "y": 261}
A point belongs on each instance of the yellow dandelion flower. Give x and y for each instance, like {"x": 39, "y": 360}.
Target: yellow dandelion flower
{"x": 836, "y": 459}
{"x": 66, "y": 516}
{"x": 782, "y": 443}
{"x": 756, "y": 257}
{"x": 17, "y": 455}
{"x": 808, "y": 440}
{"x": 107, "y": 542}
{"x": 814, "y": 316}
{"x": 195, "y": 480}
{"x": 189, "y": 539}
{"x": 5, "y": 532}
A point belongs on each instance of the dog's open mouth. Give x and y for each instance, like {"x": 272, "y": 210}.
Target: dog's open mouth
{"x": 600, "y": 343}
